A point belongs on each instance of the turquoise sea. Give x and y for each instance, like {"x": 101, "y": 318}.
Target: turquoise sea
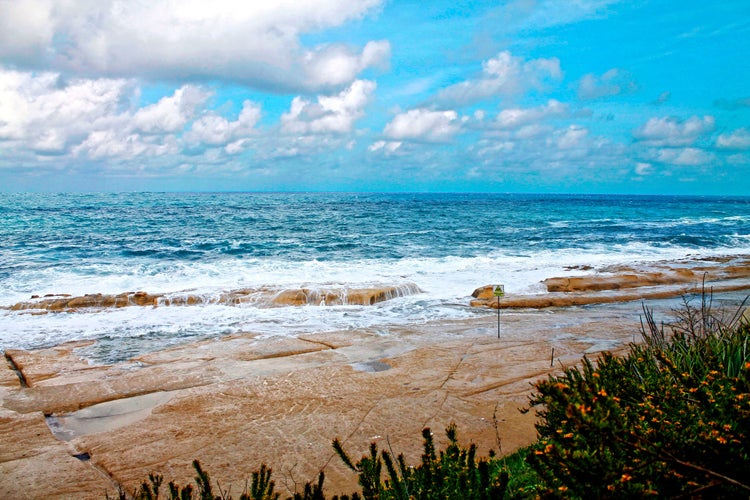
{"x": 204, "y": 244}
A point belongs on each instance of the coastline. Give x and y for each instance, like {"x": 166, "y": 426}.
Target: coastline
{"x": 79, "y": 429}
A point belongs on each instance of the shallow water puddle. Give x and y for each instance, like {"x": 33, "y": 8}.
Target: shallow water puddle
{"x": 104, "y": 417}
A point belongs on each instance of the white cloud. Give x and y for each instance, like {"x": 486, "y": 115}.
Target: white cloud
{"x": 690, "y": 157}
{"x": 547, "y": 154}
{"x": 518, "y": 117}
{"x": 215, "y": 130}
{"x": 256, "y": 43}
{"x": 504, "y": 74}
{"x": 643, "y": 168}
{"x": 668, "y": 131}
{"x": 532, "y": 131}
{"x": 170, "y": 113}
{"x": 613, "y": 82}
{"x": 26, "y": 29}
{"x": 423, "y": 125}
{"x": 387, "y": 147}
{"x": 570, "y": 138}
{"x": 335, "y": 65}
{"x": 111, "y": 143}
{"x": 739, "y": 140}
{"x": 330, "y": 114}
{"x": 45, "y": 115}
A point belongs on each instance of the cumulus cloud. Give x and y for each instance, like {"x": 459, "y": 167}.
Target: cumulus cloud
{"x": 738, "y": 140}
{"x": 546, "y": 154}
{"x": 26, "y": 29}
{"x": 424, "y": 125}
{"x": 112, "y": 143}
{"x": 388, "y": 148}
{"x": 504, "y": 74}
{"x": 643, "y": 169}
{"x": 690, "y": 157}
{"x": 570, "y": 138}
{"x": 329, "y": 114}
{"x": 336, "y": 64}
{"x": 613, "y": 82}
{"x": 518, "y": 117}
{"x": 255, "y": 43}
{"x": 47, "y": 115}
{"x": 212, "y": 129}
{"x": 170, "y": 113}
{"x": 669, "y": 131}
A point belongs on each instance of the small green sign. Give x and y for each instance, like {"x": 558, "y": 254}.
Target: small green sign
{"x": 498, "y": 290}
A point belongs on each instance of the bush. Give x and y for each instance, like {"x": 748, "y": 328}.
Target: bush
{"x": 261, "y": 488}
{"x": 670, "y": 419}
{"x": 456, "y": 474}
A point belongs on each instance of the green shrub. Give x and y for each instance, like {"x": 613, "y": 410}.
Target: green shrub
{"x": 670, "y": 419}
{"x": 455, "y": 474}
{"x": 261, "y": 488}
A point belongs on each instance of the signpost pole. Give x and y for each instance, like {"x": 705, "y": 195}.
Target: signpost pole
{"x": 498, "y": 291}
{"x": 498, "y": 316}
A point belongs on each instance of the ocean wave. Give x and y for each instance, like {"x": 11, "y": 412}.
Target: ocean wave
{"x": 446, "y": 245}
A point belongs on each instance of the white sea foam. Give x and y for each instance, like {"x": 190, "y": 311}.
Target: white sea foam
{"x": 446, "y": 283}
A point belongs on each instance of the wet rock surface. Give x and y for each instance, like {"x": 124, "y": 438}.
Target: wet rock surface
{"x": 261, "y": 297}
{"x": 240, "y": 401}
{"x": 624, "y": 284}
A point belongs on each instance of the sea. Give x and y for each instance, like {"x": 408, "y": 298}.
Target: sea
{"x": 437, "y": 248}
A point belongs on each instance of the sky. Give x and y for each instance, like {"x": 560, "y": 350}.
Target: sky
{"x": 534, "y": 96}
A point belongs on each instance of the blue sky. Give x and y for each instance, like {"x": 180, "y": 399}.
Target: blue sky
{"x": 564, "y": 96}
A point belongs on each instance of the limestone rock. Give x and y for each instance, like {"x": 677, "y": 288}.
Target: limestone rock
{"x": 260, "y": 297}
{"x": 616, "y": 282}
{"x": 484, "y": 292}
{"x": 45, "y": 466}
{"x": 624, "y": 284}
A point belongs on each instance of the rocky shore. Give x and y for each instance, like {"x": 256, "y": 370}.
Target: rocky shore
{"x": 259, "y": 297}
{"x": 72, "y": 429}
{"x": 623, "y": 284}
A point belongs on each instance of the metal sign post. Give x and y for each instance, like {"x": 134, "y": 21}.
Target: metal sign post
{"x": 498, "y": 291}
